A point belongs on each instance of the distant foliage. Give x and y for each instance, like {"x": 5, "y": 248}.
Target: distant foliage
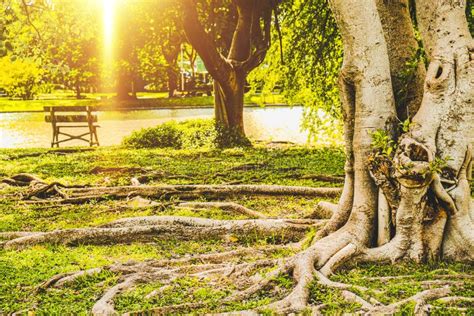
{"x": 187, "y": 134}
{"x": 308, "y": 74}
{"x": 20, "y": 78}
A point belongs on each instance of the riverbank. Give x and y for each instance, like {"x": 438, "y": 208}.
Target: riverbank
{"x": 145, "y": 101}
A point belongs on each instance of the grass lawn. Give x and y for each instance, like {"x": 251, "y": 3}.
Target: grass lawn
{"x": 144, "y": 101}
{"x": 22, "y": 271}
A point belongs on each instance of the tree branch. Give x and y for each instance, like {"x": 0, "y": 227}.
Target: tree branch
{"x": 201, "y": 41}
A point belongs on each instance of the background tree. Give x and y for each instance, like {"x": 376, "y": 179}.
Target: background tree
{"x": 306, "y": 71}
{"x": 20, "y": 78}
{"x": 169, "y": 36}
{"x": 229, "y": 62}
{"x": 72, "y": 39}
{"x": 129, "y": 40}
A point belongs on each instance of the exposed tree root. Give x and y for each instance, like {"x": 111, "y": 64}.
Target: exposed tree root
{"x": 188, "y": 192}
{"x": 165, "y": 272}
{"x": 420, "y": 299}
{"x": 437, "y": 276}
{"x": 455, "y": 299}
{"x": 149, "y": 229}
{"x": 225, "y": 206}
{"x": 324, "y": 210}
{"x": 22, "y": 179}
{"x": 313, "y": 264}
{"x": 324, "y": 178}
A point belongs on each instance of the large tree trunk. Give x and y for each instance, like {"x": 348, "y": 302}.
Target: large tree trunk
{"x": 229, "y": 105}
{"x": 423, "y": 207}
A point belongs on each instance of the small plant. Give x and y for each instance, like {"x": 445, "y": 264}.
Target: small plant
{"x": 438, "y": 164}
{"x": 406, "y": 125}
{"x": 383, "y": 142}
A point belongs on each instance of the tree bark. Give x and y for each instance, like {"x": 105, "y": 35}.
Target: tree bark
{"x": 368, "y": 103}
{"x": 406, "y": 66}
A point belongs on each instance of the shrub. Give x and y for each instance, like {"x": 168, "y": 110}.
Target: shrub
{"x": 162, "y": 136}
{"x": 187, "y": 134}
{"x": 198, "y": 133}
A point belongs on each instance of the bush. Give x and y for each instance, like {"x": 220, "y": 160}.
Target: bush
{"x": 198, "y": 133}
{"x": 162, "y": 136}
{"x": 187, "y": 134}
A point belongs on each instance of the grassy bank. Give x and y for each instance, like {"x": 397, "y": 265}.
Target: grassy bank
{"x": 107, "y": 102}
{"x": 22, "y": 271}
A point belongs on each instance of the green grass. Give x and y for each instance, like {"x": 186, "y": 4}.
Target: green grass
{"x": 144, "y": 101}
{"x": 22, "y": 271}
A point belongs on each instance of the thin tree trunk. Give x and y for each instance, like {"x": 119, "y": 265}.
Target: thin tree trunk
{"x": 78, "y": 91}
{"x": 173, "y": 78}
{"x": 123, "y": 87}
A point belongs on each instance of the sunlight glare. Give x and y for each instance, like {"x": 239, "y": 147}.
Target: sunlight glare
{"x": 109, "y": 7}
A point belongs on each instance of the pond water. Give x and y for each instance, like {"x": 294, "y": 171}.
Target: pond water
{"x": 28, "y": 130}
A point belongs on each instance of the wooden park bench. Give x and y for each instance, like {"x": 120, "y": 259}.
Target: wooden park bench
{"x": 67, "y": 117}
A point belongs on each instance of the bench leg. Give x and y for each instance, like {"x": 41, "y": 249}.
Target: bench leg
{"x": 96, "y": 137}
{"x": 55, "y": 137}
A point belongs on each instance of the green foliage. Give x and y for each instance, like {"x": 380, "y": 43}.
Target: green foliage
{"x": 470, "y": 15}
{"x": 406, "y": 125}
{"x": 20, "y": 78}
{"x": 228, "y": 137}
{"x": 187, "y": 134}
{"x": 71, "y": 59}
{"x": 309, "y": 73}
{"x": 438, "y": 164}
{"x": 162, "y": 136}
{"x": 198, "y": 133}
{"x": 407, "y": 76}
{"x": 383, "y": 142}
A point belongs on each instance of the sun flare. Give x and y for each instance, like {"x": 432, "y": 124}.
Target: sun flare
{"x": 109, "y": 8}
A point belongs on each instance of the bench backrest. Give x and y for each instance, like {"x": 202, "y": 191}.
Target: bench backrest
{"x": 54, "y": 118}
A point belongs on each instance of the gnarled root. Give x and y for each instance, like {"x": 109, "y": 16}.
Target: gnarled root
{"x": 190, "y": 192}
{"x": 226, "y": 265}
{"x": 149, "y": 229}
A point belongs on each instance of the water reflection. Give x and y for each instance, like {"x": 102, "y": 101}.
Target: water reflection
{"x": 26, "y": 130}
